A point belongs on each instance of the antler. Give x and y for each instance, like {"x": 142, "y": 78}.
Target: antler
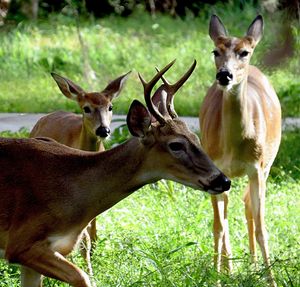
{"x": 147, "y": 93}
{"x": 172, "y": 89}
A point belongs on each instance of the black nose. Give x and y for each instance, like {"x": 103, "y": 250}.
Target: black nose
{"x": 102, "y": 132}
{"x": 224, "y": 77}
{"x": 220, "y": 183}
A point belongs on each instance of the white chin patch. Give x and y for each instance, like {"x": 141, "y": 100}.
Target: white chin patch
{"x": 225, "y": 88}
{"x": 215, "y": 191}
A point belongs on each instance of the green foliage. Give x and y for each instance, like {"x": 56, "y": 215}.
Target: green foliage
{"x": 118, "y": 136}
{"x": 22, "y": 133}
{"x": 30, "y": 51}
{"x": 287, "y": 162}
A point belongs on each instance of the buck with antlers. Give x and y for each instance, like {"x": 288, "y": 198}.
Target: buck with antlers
{"x": 85, "y": 132}
{"x": 240, "y": 123}
{"x": 50, "y": 192}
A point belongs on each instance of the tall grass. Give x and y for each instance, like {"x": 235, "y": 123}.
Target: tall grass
{"x": 30, "y": 51}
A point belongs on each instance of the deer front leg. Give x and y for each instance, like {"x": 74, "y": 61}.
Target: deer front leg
{"x": 49, "y": 263}
{"x": 257, "y": 195}
{"x": 221, "y": 232}
{"x": 30, "y": 278}
{"x": 250, "y": 225}
{"x": 226, "y": 249}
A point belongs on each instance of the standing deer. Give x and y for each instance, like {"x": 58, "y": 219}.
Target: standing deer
{"x": 85, "y": 132}
{"x": 50, "y": 192}
{"x": 240, "y": 123}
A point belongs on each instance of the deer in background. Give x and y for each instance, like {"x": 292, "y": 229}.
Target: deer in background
{"x": 50, "y": 192}
{"x": 86, "y": 132}
{"x": 240, "y": 122}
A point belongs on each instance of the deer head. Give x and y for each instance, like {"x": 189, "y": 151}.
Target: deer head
{"x": 96, "y": 107}
{"x": 232, "y": 55}
{"x": 175, "y": 150}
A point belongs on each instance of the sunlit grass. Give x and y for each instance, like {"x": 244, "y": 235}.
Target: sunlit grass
{"x": 30, "y": 51}
{"x": 154, "y": 238}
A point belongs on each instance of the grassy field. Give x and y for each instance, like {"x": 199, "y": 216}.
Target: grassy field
{"x": 30, "y": 51}
{"x": 162, "y": 235}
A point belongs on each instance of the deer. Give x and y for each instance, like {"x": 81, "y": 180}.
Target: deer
{"x": 85, "y": 132}
{"x": 240, "y": 123}
{"x": 50, "y": 192}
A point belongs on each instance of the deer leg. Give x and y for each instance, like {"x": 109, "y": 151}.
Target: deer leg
{"x": 50, "y": 263}
{"x": 226, "y": 248}
{"x": 30, "y": 278}
{"x": 2, "y": 253}
{"x": 85, "y": 250}
{"x": 257, "y": 194}
{"x": 219, "y": 228}
{"x": 250, "y": 225}
{"x": 92, "y": 230}
{"x": 88, "y": 239}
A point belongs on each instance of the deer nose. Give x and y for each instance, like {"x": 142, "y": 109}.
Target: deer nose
{"x": 220, "y": 183}
{"x": 224, "y": 77}
{"x": 102, "y": 132}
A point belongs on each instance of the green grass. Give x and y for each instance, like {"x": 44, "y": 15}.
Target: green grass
{"x": 30, "y": 51}
{"x": 162, "y": 234}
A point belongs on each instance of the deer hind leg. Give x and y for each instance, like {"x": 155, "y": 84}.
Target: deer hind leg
{"x": 250, "y": 225}
{"x": 85, "y": 250}
{"x": 30, "y": 278}
{"x": 92, "y": 230}
{"x": 89, "y": 238}
{"x": 221, "y": 233}
{"x": 257, "y": 195}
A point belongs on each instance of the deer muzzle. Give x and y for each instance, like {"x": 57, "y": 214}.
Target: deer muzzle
{"x": 224, "y": 77}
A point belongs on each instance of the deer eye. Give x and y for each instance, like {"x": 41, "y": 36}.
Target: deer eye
{"x": 216, "y": 53}
{"x": 176, "y": 146}
{"x": 87, "y": 110}
{"x": 244, "y": 54}
{"x": 110, "y": 108}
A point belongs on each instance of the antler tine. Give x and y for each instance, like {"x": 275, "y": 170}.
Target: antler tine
{"x": 147, "y": 92}
{"x": 172, "y": 89}
{"x": 163, "y": 78}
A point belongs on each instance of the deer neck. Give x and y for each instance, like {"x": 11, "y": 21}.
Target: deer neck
{"x": 116, "y": 174}
{"x": 235, "y": 114}
{"x": 89, "y": 141}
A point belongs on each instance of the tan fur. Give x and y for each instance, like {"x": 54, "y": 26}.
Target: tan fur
{"x": 241, "y": 132}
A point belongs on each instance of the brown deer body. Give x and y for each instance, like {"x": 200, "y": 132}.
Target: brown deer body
{"x": 240, "y": 123}
{"x": 86, "y": 132}
{"x": 50, "y": 192}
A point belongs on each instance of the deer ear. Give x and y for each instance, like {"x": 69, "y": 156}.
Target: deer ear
{"x": 216, "y": 28}
{"x": 68, "y": 88}
{"x": 113, "y": 89}
{"x": 255, "y": 30}
{"x": 138, "y": 119}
